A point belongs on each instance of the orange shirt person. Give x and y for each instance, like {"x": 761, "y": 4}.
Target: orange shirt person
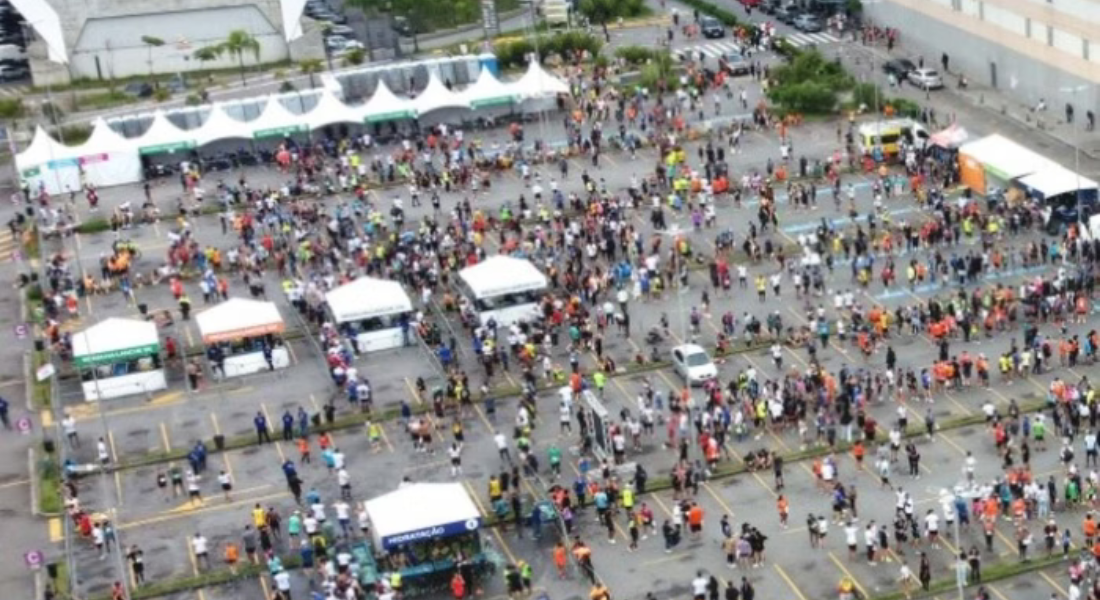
{"x": 560, "y": 559}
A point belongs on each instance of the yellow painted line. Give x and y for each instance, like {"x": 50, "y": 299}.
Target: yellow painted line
{"x": 86, "y": 415}
{"x": 496, "y": 531}
{"x": 848, "y": 574}
{"x": 191, "y": 506}
{"x": 790, "y": 582}
{"x": 164, "y": 437}
{"x": 165, "y": 399}
{"x": 190, "y": 338}
{"x": 1053, "y": 584}
{"x": 717, "y": 498}
{"x": 16, "y": 483}
{"x": 209, "y": 508}
{"x": 412, "y": 391}
{"x": 313, "y": 401}
{"x": 53, "y": 526}
{"x": 278, "y": 446}
{"x": 265, "y": 587}
{"x": 290, "y": 350}
{"x": 47, "y": 419}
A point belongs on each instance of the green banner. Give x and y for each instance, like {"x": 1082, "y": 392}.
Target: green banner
{"x": 32, "y": 172}
{"x": 168, "y": 148}
{"x": 115, "y": 356}
{"x": 498, "y": 101}
{"x": 391, "y": 116}
{"x": 280, "y": 131}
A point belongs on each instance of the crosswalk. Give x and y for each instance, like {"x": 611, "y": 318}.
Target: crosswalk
{"x": 807, "y": 39}
{"x": 8, "y": 244}
{"x": 14, "y": 91}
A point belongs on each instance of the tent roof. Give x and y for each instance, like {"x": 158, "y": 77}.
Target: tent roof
{"x": 537, "y": 83}
{"x": 163, "y": 136}
{"x": 500, "y": 274}
{"x": 420, "y": 507}
{"x": 110, "y": 335}
{"x": 42, "y": 149}
{"x": 1057, "y": 181}
{"x": 276, "y": 121}
{"x": 237, "y": 318}
{"x": 220, "y": 126}
{"x": 436, "y": 96}
{"x": 330, "y": 110}
{"x": 1005, "y": 158}
{"x": 367, "y": 297}
{"x": 953, "y": 136}
{"x": 385, "y": 106}
{"x": 489, "y": 91}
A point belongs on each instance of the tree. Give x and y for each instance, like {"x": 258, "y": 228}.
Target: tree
{"x": 310, "y": 66}
{"x": 599, "y": 11}
{"x": 207, "y": 54}
{"x": 151, "y": 42}
{"x": 355, "y": 57}
{"x": 239, "y": 43}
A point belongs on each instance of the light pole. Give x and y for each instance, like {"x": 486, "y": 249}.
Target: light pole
{"x": 1073, "y": 91}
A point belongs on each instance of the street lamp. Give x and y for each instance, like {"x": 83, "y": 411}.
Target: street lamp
{"x": 1073, "y": 91}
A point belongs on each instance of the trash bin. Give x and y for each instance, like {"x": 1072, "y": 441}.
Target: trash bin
{"x": 315, "y": 419}
{"x": 48, "y": 445}
{"x": 219, "y": 441}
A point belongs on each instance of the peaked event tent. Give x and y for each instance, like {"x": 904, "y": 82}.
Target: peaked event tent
{"x": 42, "y": 149}
{"x": 500, "y": 274}
{"x": 220, "y": 126}
{"x": 366, "y": 298}
{"x": 489, "y": 91}
{"x": 385, "y": 106}
{"x": 277, "y": 122}
{"x": 537, "y": 83}
{"x": 436, "y": 96}
{"x": 164, "y": 137}
{"x": 115, "y": 340}
{"x": 1056, "y": 181}
{"x": 422, "y": 511}
{"x": 331, "y": 110}
{"x": 239, "y": 318}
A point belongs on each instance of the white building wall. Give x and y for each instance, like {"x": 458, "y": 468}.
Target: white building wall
{"x": 1005, "y": 19}
{"x": 1067, "y": 42}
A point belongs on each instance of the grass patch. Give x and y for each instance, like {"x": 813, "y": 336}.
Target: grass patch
{"x": 49, "y": 486}
{"x": 106, "y": 99}
{"x": 97, "y": 225}
{"x": 41, "y": 391}
{"x": 990, "y": 574}
{"x": 31, "y": 248}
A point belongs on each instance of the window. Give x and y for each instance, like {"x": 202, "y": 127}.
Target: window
{"x": 1027, "y": 27}
{"x": 1050, "y": 35}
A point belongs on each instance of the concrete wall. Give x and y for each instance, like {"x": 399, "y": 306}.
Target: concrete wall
{"x": 991, "y": 52}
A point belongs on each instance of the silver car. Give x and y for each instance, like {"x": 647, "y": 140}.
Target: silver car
{"x": 926, "y": 79}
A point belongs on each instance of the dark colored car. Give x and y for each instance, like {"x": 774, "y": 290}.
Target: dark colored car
{"x": 785, "y": 14}
{"x": 711, "y": 28}
{"x": 899, "y": 68}
{"x": 769, "y": 7}
{"x": 138, "y": 89}
{"x": 735, "y": 64}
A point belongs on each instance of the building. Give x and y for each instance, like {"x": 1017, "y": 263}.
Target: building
{"x": 1035, "y": 49}
{"x": 102, "y": 39}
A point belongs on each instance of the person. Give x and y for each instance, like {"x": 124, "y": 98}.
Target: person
{"x": 137, "y": 563}
{"x": 4, "y": 413}
{"x": 458, "y": 586}
{"x": 117, "y": 591}
{"x": 68, "y": 425}
{"x": 200, "y": 547}
{"x": 262, "y": 433}
{"x": 907, "y": 579}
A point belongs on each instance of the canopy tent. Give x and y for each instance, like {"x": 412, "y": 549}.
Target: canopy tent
{"x": 489, "y": 91}
{"x": 366, "y": 298}
{"x": 220, "y": 126}
{"x": 499, "y": 275}
{"x": 385, "y": 106}
{"x": 115, "y": 340}
{"x": 105, "y": 158}
{"x": 954, "y": 136}
{"x": 163, "y": 137}
{"x": 1004, "y": 158}
{"x": 422, "y": 511}
{"x": 42, "y": 149}
{"x": 331, "y": 110}
{"x": 1056, "y": 181}
{"x": 277, "y": 122}
{"x": 537, "y": 83}
{"x": 436, "y": 96}
{"x": 239, "y": 318}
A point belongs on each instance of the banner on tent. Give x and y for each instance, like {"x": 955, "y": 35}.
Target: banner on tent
{"x": 280, "y": 131}
{"x": 64, "y": 163}
{"x": 31, "y": 172}
{"x": 92, "y": 159}
{"x": 115, "y": 356}
{"x": 427, "y": 533}
{"x": 167, "y": 148}
{"x": 391, "y": 116}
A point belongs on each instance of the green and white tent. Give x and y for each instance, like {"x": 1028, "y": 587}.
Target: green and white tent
{"x": 488, "y": 91}
{"x": 384, "y": 105}
{"x": 114, "y": 341}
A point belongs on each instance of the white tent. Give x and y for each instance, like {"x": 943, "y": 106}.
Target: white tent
{"x": 277, "y": 122}
{"x": 115, "y": 340}
{"x": 385, "y": 106}
{"x": 366, "y": 298}
{"x": 489, "y": 91}
{"x": 422, "y": 511}
{"x": 239, "y": 318}
{"x": 1056, "y": 181}
{"x": 537, "y": 83}
{"x": 331, "y": 110}
{"x": 500, "y": 274}
{"x": 42, "y": 149}
{"x": 163, "y": 137}
{"x": 105, "y": 158}
{"x": 1004, "y": 158}
{"x": 436, "y": 96}
{"x": 220, "y": 126}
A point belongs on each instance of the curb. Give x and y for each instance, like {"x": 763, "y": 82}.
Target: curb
{"x": 33, "y": 472}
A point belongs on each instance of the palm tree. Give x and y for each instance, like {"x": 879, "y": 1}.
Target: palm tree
{"x": 207, "y": 54}
{"x": 237, "y": 44}
{"x": 151, "y": 42}
{"x": 310, "y": 66}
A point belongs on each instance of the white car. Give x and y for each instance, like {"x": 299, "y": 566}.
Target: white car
{"x": 926, "y": 79}
{"x": 693, "y": 363}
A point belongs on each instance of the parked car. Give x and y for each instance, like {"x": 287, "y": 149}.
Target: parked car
{"x": 735, "y": 63}
{"x": 342, "y": 30}
{"x": 712, "y": 28}
{"x": 402, "y": 27}
{"x": 693, "y": 363}
{"x": 175, "y": 85}
{"x": 13, "y": 73}
{"x": 336, "y": 42}
{"x": 899, "y": 68}
{"x": 785, "y": 14}
{"x": 769, "y": 7}
{"x": 138, "y": 89}
{"x": 807, "y": 23}
{"x": 926, "y": 79}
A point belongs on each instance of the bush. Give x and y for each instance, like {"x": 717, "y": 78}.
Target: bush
{"x": 74, "y": 135}
{"x": 635, "y": 55}
{"x": 355, "y": 58}
{"x": 659, "y": 72}
{"x": 604, "y": 11}
{"x": 867, "y": 94}
{"x": 514, "y": 53}
{"x": 11, "y": 108}
{"x": 904, "y": 107}
{"x": 193, "y": 99}
{"x": 160, "y": 94}
{"x": 49, "y": 487}
{"x": 809, "y": 84}
{"x": 726, "y": 17}
{"x": 97, "y": 225}
{"x": 809, "y": 97}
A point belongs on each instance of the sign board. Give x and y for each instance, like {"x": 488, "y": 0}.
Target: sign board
{"x": 24, "y": 425}
{"x": 116, "y": 356}
{"x": 45, "y": 372}
{"x": 21, "y": 331}
{"x": 34, "y": 559}
{"x": 429, "y": 533}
